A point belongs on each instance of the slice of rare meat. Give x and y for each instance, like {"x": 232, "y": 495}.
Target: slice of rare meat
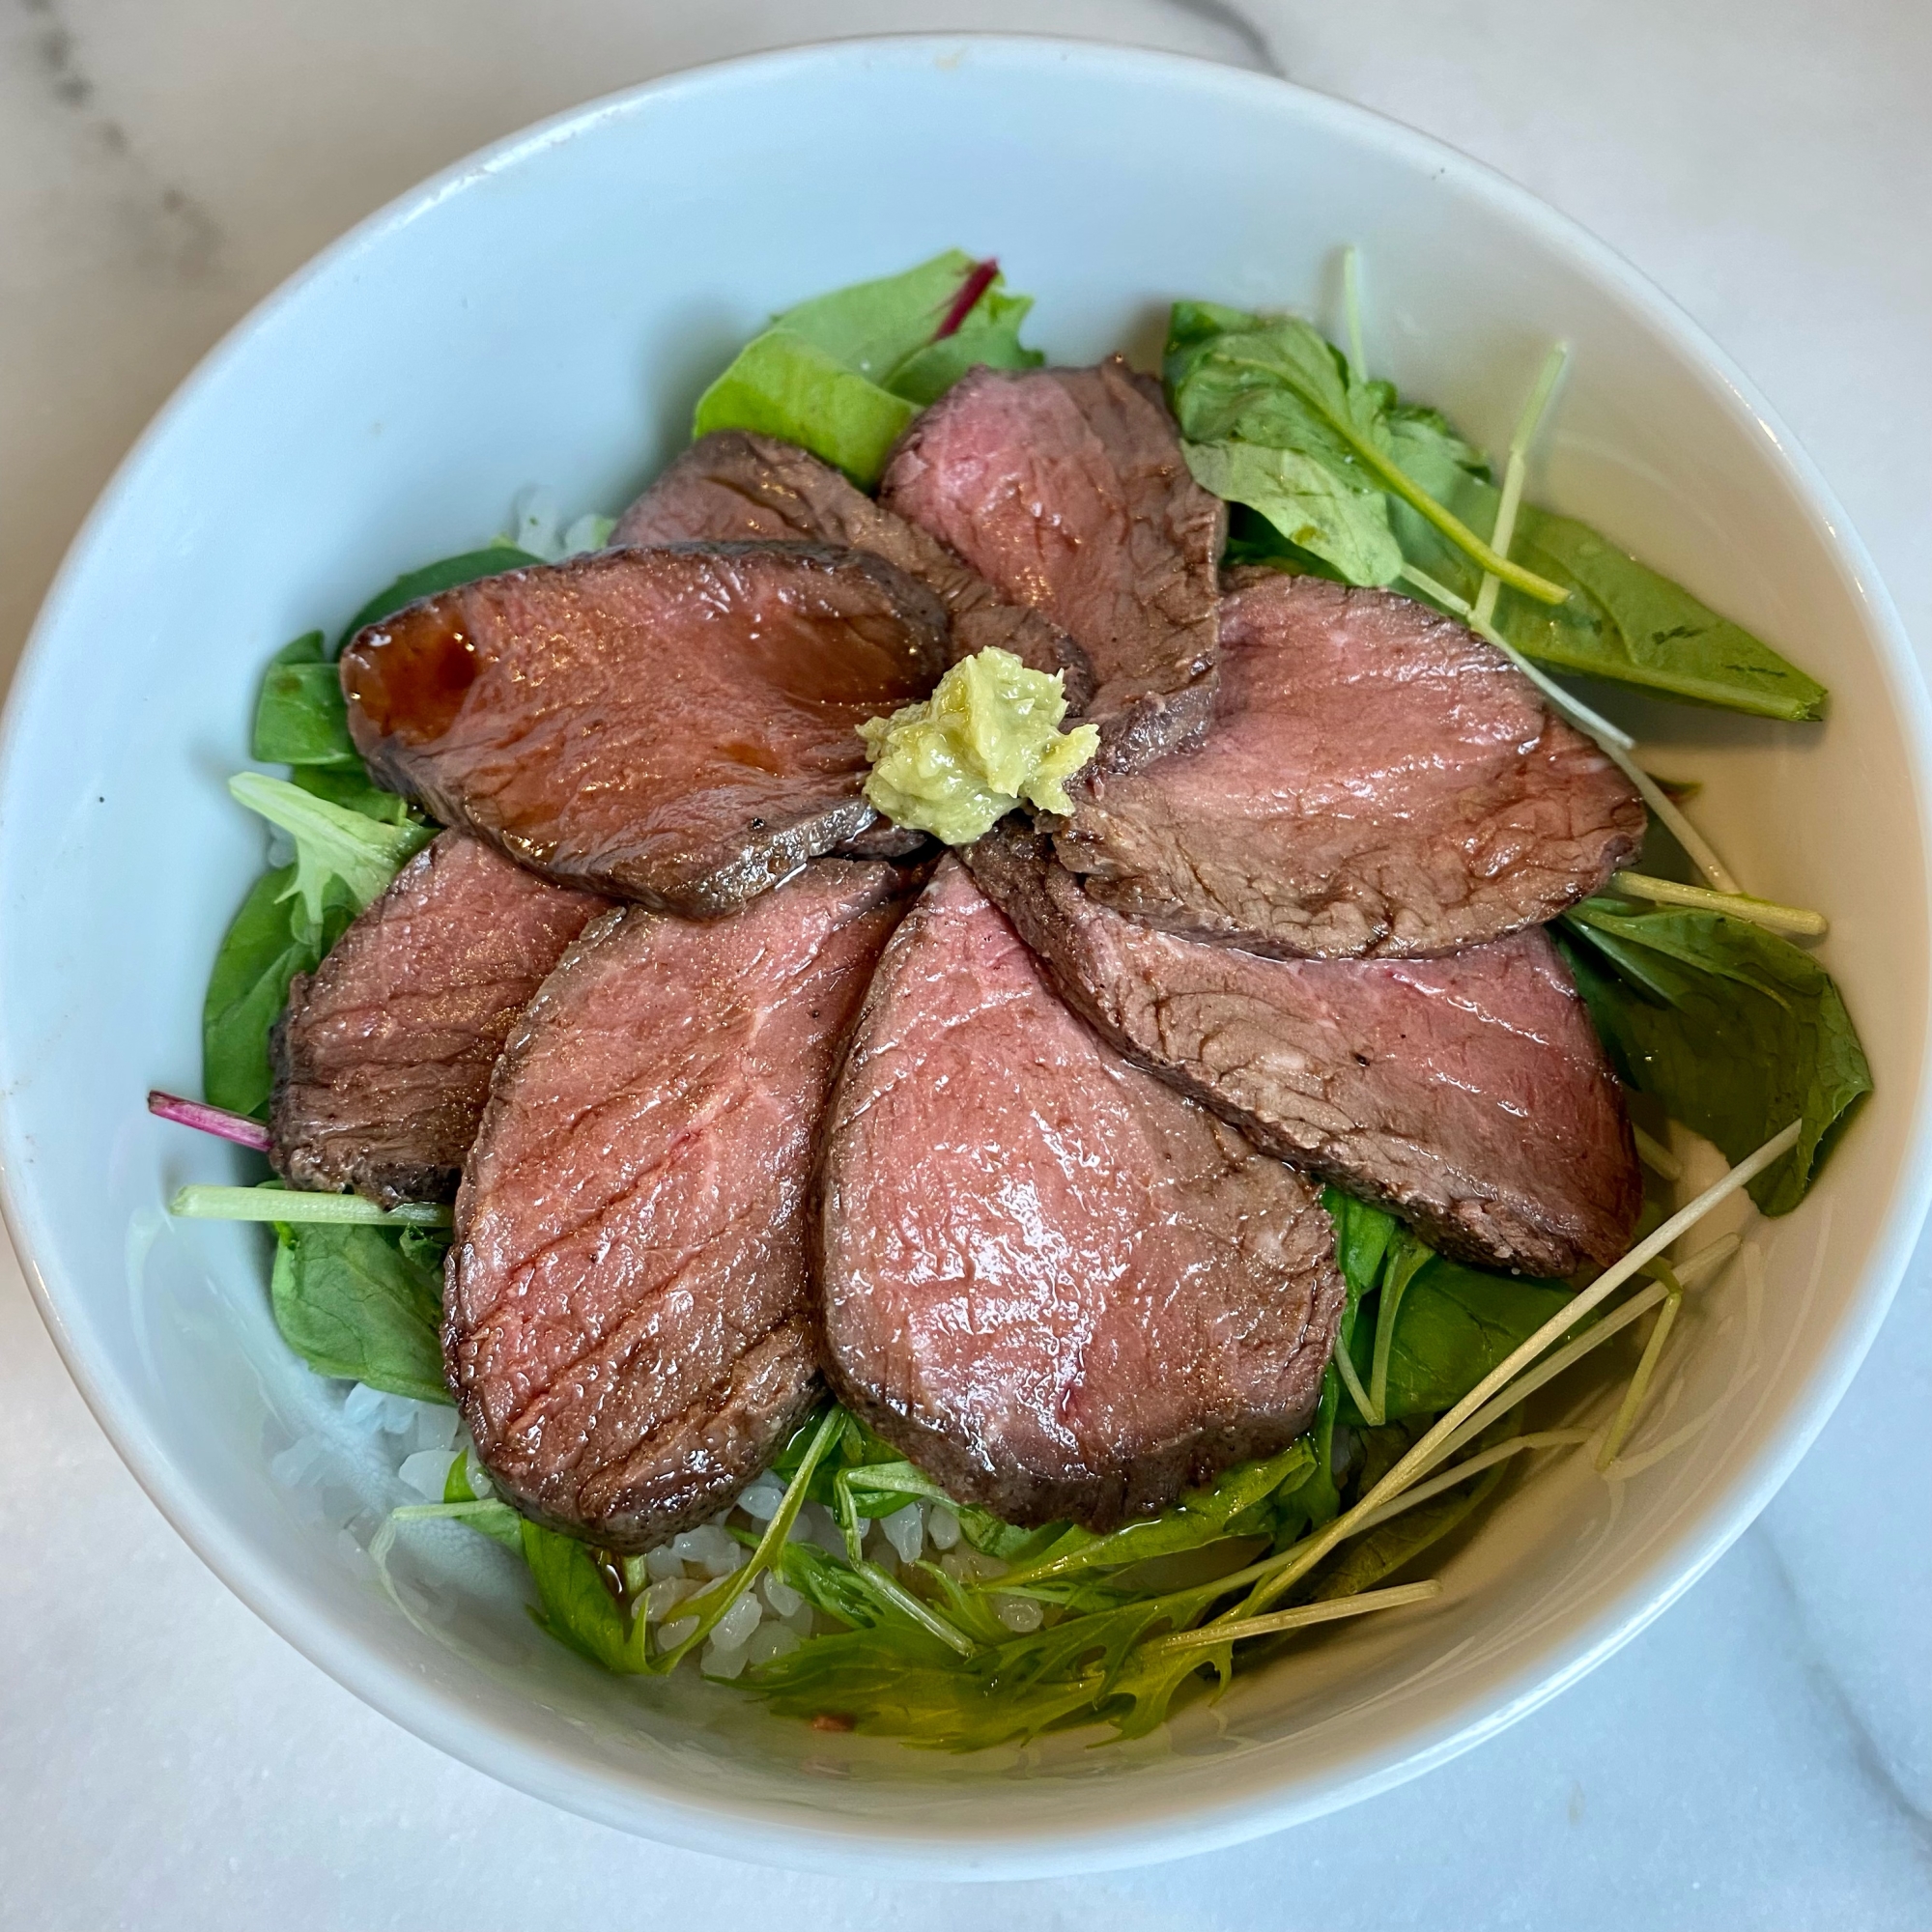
{"x": 382, "y": 1056}
{"x": 1066, "y": 490}
{"x": 626, "y": 1321}
{"x": 677, "y": 726}
{"x": 1468, "y": 1095}
{"x": 1051, "y": 1281}
{"x": 1378, "y": 782}
{"x": 734, "y": 487}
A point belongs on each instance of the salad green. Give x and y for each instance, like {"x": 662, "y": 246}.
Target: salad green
{"x": 843, "y": 374}
{"x": 1346, "y": 478}
{"x": 986, "y": 1632}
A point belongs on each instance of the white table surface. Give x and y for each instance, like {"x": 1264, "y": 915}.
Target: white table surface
{"x": 1760, "y": 1757}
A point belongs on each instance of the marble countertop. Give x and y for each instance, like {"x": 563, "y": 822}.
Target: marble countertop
{"x": 1762, "y": 1757}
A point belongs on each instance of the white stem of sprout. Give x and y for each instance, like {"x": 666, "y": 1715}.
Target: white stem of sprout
{"x": 1766, "y": 913}
{"x": 1702, "y": 1263}
{"x": 1705, "y": 1259}
{"x": 1344, "y": 1367}
{"x": 1351, "y": 311}
{"x": 1418, "y": 1458}
{"x": 1449, "y": 1479}
{"x": 1695, "y": 1269}
{"x": 1302, "y": 1615}
{"x": 1656, "y": 1156}
{"x": 921, "y": 1612}
{"x": 1625, "y": 1419}
{"x": 1525, "y": 1386}
{"x": 198, "y": 1203}
{"x": 1513, "y": 473}
{"x": 1687, "y": 835}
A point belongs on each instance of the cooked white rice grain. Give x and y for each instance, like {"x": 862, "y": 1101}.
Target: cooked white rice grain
{"x": 905, "y": 1532}
{"x": 762, "y": 1500}
{"x": 770, "y": 1641}
{"x": 721, "y": 1660}
{"x": 426, "y": 1472}
{"x": 662, "y": 1598}
{"x": 783, "y": 1600}
{"x": 1019, "y": 1613}
{"x": 735, "y": 1626}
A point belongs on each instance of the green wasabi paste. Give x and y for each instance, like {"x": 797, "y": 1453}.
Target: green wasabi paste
{"x": 987, "y": 739}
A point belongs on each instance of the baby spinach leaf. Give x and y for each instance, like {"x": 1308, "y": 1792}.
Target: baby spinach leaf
{"x": 492, "y": 560}
{"x": 351, "y": 1302}
{"x": 1270, "y": 416}
{"x": 843, "y": 374}
{"x": 1624, "y": 621}
{"x": 300, "y": 718}
{"x": 1734, "y": 1030}
{"x": 1628, "y": 622}
{"x": 258, "y": 954}
{"x": 1451, "y": 1324}
{"x": 1454, "y": 1324}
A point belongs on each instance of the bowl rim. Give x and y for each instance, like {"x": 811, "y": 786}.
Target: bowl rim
{"x": 1146, "y": 1830}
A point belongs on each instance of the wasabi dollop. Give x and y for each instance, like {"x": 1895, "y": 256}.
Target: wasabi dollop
{"x": 987, "y": 739}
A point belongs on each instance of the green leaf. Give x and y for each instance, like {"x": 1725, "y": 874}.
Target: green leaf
{"x": 338, "y": 853}
{"x": 828, "y": 1584}
{"x": 1624, "y": 621}
{"x": 492, "y": 560}
{"x": 1628, "y": 622}
{"x": 577, "y": 1606}
{"x": 1734, "y": 1030}
{"x": 1273, "y": 419}
{"x": 1456, "y": 1323}
{"x": 1364, "y": 1561}
{"x": 873, "y": 327}
{"x": 1450, "y": 1325}
{"x": 300, "y": 718}
{"x": 498, "y": 1521}
{"x": 782, "y": 385}
{"x": 354, "y": 792}
{"x": 843, "y": 374}
{"x": 351, "y": 1302}
{"x": 1200, "y": 1516}
{"x": 248, "y": 986}
{"x": 988, "y": 338}
{"x": 1268, "y": 411}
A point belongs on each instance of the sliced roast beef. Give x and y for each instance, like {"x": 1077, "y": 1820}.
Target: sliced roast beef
{"x": 677, "y": 726}
{"x": 1066, "y": 490}
{"x": 382, "y": 1056}
{"x": 1378, "y": 782}
{"x": 1051, "y": 1281}
{"x": 1470, "y": 1095}
{"x": 734, "y": 487}
{"x": 626, "y": 1322}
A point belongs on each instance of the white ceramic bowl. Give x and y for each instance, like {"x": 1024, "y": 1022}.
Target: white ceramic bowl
{"x": 546, "y": 313}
